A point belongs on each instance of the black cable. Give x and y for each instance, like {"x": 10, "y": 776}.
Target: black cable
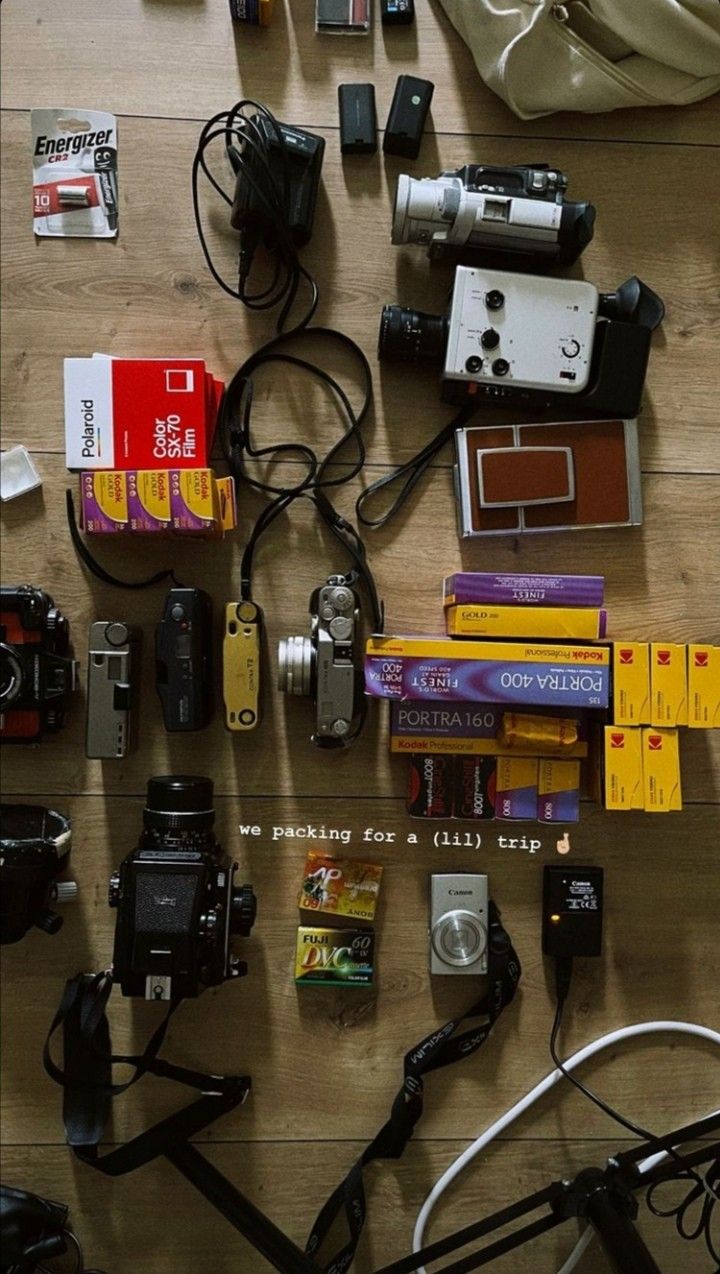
{"x": 94, "y": 566}
{"x": 707, "y": 1189}
{"x": 253, "y": 127}
{"x": 563, "y": 977}
{"x": 411, "y": 472}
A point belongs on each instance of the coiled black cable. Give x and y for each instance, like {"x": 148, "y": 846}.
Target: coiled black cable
{"x": 251, "y": 163}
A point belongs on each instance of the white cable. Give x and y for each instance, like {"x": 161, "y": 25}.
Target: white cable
{"x": 583, "y": 1054}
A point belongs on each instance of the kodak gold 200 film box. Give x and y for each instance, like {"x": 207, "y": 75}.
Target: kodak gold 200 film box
{"x": 661, "y": 770}
{"x": 631, "y": 683}
{"x": 668, "y": 684}
{"x": 622, "y": 768}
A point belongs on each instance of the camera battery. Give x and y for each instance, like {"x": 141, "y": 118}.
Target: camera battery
{"x": 358, "y": 119}
{"x": 397, "y": 13}
{"x": 408, "y": 113}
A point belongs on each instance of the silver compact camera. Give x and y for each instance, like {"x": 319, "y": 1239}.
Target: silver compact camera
{"x": 112, "y": 654}
{"x": 322, "y": 666}
{"x": 459, "y": 923}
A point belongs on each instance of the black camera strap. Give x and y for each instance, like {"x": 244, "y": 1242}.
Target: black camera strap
{"x": 86, "y": 1078}
{"x": 441, "y": 1048}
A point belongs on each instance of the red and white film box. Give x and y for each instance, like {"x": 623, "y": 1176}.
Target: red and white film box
{"x": 139, "y": 413}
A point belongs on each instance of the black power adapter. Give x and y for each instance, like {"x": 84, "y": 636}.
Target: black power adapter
{"x": 277, "y": 170}
{"x": 572, "y": 911}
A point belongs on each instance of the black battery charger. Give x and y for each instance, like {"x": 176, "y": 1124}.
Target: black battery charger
{"x": 572, "y": 911}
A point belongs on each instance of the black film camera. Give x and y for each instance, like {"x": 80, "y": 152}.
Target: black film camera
{"x": 484, "y": 210}
{"x": 322, "y": 666}
{"x": 37, "y": 672}
{"x": 528, "y": 339}
{"x": 177, "y": 903}
{"x": 34, "y": 849}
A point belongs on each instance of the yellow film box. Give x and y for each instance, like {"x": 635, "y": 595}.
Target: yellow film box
{"x": 661, "y": 770}
{"x": 704, "y": 687}
{"x": 554, "y": 623}
{"x": 622, "y": 768}
{"x": 631, "y": 683}
{"x": 668, "y": 684}
{"x": 558, "y": 791}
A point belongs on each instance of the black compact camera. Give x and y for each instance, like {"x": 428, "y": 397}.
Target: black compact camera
{"x": 34, "y": 850}
{"x": 37, "y": 672}
{"x": 511, "y": 338}
{"x": 483, "y": 210}
{"x": 176, "y": 898}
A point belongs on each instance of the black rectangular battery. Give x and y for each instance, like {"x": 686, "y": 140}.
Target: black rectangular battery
{"x": 397, "y": 13}
{"x": 358, "y": 119}
{"x": 408, "y": 113}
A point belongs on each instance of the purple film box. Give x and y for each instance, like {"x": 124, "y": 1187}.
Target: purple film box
{"x": 490, "y": 681}
{"x": 483, "y": 587}
{"x": 461, "y": 721}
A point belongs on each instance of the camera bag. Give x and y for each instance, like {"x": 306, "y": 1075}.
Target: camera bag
{"x": 592, "y": 55}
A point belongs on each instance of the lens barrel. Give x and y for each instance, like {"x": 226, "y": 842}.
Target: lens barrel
{"x": 296, "y": 666}
{"x": 11, "y": 676}
{"x": 179, "y": 801}
{"x": 409, "y": 336}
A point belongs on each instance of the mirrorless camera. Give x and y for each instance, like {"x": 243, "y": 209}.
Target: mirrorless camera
{"x": 37, "y": 672}
{"x": 177, "y": 903}
{"x": 518, "y": 338}
{"x": 459, "y": 923}
{"x": 322, "y": 666}
{"x": 481, "y": 209}
{"x": 34, "y": 850}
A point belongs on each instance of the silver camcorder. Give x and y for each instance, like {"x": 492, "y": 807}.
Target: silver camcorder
{"x": 322, "y": 666}
{"x": 479, "y": 209}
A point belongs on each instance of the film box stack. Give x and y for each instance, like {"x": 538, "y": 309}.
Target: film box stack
{"x": 658, "y": 687}
{"x": 140, "y": 430}
{"x": 335, "y": 953}
{"x": 525, "y": 647}
{"x": 542, "y": 607}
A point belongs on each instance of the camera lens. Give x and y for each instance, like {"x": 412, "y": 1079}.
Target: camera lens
{"x": 409, "y": 336}
{"x": 11, "y": 677}
{"x": 179, "y": 801}
{"x": 296, "y": 666}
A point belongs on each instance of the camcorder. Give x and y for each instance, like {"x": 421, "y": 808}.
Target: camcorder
{"x": 322, "y": 666}
{"x": 37, "y": 672}
{"x": 34, "y": 851}
{"x": 483, "y": 210}
{"x": 531, "y": 340}
{"x": 177, "y": 902}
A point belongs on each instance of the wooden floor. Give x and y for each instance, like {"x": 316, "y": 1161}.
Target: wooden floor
{"x": 326, "y": 1065}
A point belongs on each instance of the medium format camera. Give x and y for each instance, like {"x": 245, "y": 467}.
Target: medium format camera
{"x": 34, "y": 850}
{"x": 481, "y": 209}
{"x": 322, "y": 666}
{"x": 519, "y": 338}
{"x": 458, "y": 923}
{"x": 37, "y": 672}
{"x": 176, "y": 898}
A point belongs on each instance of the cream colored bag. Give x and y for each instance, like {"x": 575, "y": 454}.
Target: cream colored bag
{"x": 592, "y": 55}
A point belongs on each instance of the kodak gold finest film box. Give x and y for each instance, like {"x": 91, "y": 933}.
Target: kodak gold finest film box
{"x": 661, "y": 770}
{"x": 704, "y": 687}
{"x": 555, "y": 623}
{"x": 623, "y": 768}
{"x": 668, "y": 684}
{"x": 631, "y": 683}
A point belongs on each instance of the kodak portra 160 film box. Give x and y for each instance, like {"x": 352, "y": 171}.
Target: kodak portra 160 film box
{"x": 631, "y": 683}
{"x": 704, "y": 687}
{"x": 623, "y": 770}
